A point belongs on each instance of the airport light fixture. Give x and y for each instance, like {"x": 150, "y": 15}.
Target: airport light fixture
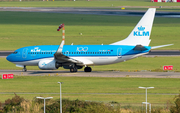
{"x": 60, "y": 97}
{"x": 44, "y": 101}
{"x": 146, "y": 94}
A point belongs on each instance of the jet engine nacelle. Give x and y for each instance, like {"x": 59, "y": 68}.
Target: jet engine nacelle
{"x": 48, "y": 65}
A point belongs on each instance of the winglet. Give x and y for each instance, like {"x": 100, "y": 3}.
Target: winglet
{"x": 63, "y": 38}
{"x": 155, "y": 47}
{"x": 60, "y": 47}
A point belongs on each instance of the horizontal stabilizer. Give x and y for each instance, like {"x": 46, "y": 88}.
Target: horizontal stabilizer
{"x": 155, "y": 47}
{"x": 140, "y": 48}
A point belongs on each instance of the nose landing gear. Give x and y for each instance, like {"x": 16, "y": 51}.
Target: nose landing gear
{"x": 24, "y": 69}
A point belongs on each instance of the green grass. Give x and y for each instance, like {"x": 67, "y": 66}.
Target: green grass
{"x": 48, "y": 84}
{"x": 19, "y": 29}
{"x": 84, "y": 3}
{"x": 137, "y": 64}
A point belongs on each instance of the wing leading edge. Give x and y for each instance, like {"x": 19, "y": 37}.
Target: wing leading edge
{"x": 60, "y": 57}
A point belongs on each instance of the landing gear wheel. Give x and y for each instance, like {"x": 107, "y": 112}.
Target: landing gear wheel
{"x": 24, "y": 69}
{"x": 87, "y": 69}
{"x": 73, "y": 69}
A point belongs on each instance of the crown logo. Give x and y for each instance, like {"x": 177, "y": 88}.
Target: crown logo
{"x": 141, "y": 28}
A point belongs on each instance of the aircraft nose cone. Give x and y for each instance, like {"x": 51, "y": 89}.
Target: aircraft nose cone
{"x": 8, "y": 58}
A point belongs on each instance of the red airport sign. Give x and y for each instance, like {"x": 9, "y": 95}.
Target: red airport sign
{"x": 167, "y": 67}
{"x": 7, "y": 76}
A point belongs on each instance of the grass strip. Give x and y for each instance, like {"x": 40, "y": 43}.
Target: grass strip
{"x": 20, "y": 29}
{"x": 48, "y": 84}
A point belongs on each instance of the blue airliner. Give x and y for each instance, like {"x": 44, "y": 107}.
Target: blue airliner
{"x": 74, "y": 57}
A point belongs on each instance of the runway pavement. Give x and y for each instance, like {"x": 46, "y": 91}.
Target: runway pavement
{"x": 143, "y": 74}
{"x": 95, "y": 11}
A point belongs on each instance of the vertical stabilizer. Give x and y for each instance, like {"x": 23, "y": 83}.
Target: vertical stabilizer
{"x": 141, "y": 33}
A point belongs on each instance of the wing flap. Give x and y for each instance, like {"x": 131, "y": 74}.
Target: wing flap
{"x": 84, "y": 61}
{"x": 63, "y": 58}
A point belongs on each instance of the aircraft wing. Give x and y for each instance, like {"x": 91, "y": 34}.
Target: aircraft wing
{"x": 155, "y": 47}
{"x": 63, "y": 58}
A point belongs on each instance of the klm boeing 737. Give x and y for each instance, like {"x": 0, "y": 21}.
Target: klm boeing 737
{"x": 74, "y": 57}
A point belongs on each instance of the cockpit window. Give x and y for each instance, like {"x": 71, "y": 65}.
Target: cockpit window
{"x": 15, "y": 52}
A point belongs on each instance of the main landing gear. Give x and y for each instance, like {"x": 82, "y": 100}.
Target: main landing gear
{"x": 24, "y": 69}
{"x": 87, "y": 69}
{"x": 73, "y": 68}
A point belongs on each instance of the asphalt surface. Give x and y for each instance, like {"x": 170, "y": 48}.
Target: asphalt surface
{"x": 96, "y": 11}
{"x": 142, "y": 74}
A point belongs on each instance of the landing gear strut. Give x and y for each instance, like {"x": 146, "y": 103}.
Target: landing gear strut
{"x": 73, "y": 68}
{"x": 87, "y": 69}
{"x": 24, "y": 69}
